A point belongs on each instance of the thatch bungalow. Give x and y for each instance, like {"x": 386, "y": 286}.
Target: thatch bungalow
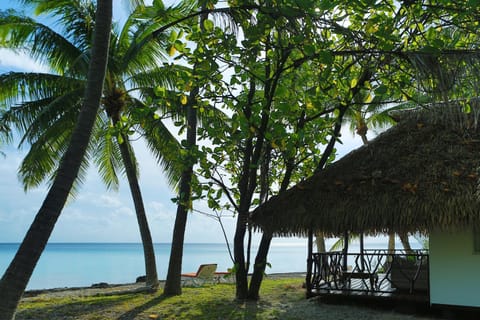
{"x": 422, "y": 175}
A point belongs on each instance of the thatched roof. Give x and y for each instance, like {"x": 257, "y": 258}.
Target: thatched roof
{"x": 421, "y": 174}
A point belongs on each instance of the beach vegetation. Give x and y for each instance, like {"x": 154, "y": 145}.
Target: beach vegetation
{"x": 298, "y": 75}
{"x": 282, "y": 298}
{"x": 286, "y": 73}
{"x": 40, "y": 105}
{"x": 210, "y": 301}
{"x": 173, "y": 284}
{"x": 15, "y": 278}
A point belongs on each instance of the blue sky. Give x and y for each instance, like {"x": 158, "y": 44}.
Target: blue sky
{"x": 97, "y": 215}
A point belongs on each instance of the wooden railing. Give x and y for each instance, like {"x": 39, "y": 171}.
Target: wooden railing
{"x": 373, "y": 271}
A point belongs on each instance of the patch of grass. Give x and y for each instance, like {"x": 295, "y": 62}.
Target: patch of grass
{"x": 211, "y": 301}
{"x": 279, "y": 299}
{"x": 70, "y": 307}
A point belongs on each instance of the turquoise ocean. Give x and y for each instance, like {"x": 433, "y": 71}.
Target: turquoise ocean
{"x": 83, "y": 264}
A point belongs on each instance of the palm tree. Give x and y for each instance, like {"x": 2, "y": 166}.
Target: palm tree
{"x": 4, "y": 136}
{"x": 57, "y": 96}
{"x": 15, "y": 279}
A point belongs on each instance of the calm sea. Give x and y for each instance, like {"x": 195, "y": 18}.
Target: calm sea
{"x": 82, "y": 264}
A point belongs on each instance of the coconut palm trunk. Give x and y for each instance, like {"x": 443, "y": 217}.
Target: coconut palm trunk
{"x": 151, "y": 280}
{"x": 320, "y": 242}
{"x": 113, "y": 106}
{"x": 405, "y": 242}
{"x": 17, "y": 275}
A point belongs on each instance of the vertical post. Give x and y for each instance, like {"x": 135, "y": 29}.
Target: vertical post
{"x": 362, "y": 257}
{"x": 308, "y": 280}
{"x": 345, "y": 250}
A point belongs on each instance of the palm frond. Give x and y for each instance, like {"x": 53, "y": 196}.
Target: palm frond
{"x": 24, "y": 86}
{"x": 106, "y": 153}
{"x": 43, "y": 157}
{"x": 164, "y": 146}
{"x": 138, "y": 53}
{"x": 42, "y": 43}
{"x": 340, "y": 243}
{"x": 5, "y": 132}
{"x": 164, "y": 76}
{"x": 36, "y": 118}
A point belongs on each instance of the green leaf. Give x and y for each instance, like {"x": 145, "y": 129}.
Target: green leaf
{"x": 325, "y": 57}
{"x": 431, "y": 49}
{"x": 173, "y": 36}
{"x": 353, "y": 83}
{"x": 208, "y": 25}
{"x": 439, "y": 43}
{"x": 381, "y": 90}
{"x": 309, "y": 49}
{"x": 369, "y": 98}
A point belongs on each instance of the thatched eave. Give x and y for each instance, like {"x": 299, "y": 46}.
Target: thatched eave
{"x": 419, "y": 175}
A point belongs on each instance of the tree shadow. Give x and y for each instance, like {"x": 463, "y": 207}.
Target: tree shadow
{"x": 230, "y": 309}
{"x": 253, "y": 310}
{"x": 72, "y": 309}
{"x": 137, "y": 310}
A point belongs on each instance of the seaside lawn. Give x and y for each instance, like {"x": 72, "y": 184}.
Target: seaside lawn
{"x": 280, "y": 299}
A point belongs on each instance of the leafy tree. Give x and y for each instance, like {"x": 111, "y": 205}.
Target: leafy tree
{"x": 173, "y": 285}
{"x": 197, "y": 111}
{"x": 57, "y": 97}
{"x": 15, "y": 279}
{"x": 264, "y": 112}
{"x": 367, "y": 56}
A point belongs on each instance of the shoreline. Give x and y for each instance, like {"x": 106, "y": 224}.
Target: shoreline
{"x": 104, "y": 288}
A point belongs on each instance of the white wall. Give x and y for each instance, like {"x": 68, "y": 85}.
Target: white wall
{"x": 454, "y": 269}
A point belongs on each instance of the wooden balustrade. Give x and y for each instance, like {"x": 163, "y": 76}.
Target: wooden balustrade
{"x": 374, "y": 271}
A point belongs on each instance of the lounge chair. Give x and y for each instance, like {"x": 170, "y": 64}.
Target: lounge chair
{"x": 206, "y": 272}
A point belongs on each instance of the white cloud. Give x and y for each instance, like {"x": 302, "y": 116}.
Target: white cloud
{"x": 158, "y": 211}
{"x": 123, "y": 212}
{"x": 108, "y": 201}
{"x": 18, "y": 61}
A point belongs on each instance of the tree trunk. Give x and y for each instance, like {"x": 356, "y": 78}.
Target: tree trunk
{"x": 148, "y": 251}
{"x": 391, "y": 242}
{"x": 405, "y": 242}
{"x": 320, "y": 242}
{"x": 238, "y": 254}
{"x": 259, "y": 267}
{"x": 262, "y": 253}
{"x": 173, "y": 284}
{"x": 17, "y": 275}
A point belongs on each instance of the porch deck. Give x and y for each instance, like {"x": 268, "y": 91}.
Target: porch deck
{"x": 375, "y": 275}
